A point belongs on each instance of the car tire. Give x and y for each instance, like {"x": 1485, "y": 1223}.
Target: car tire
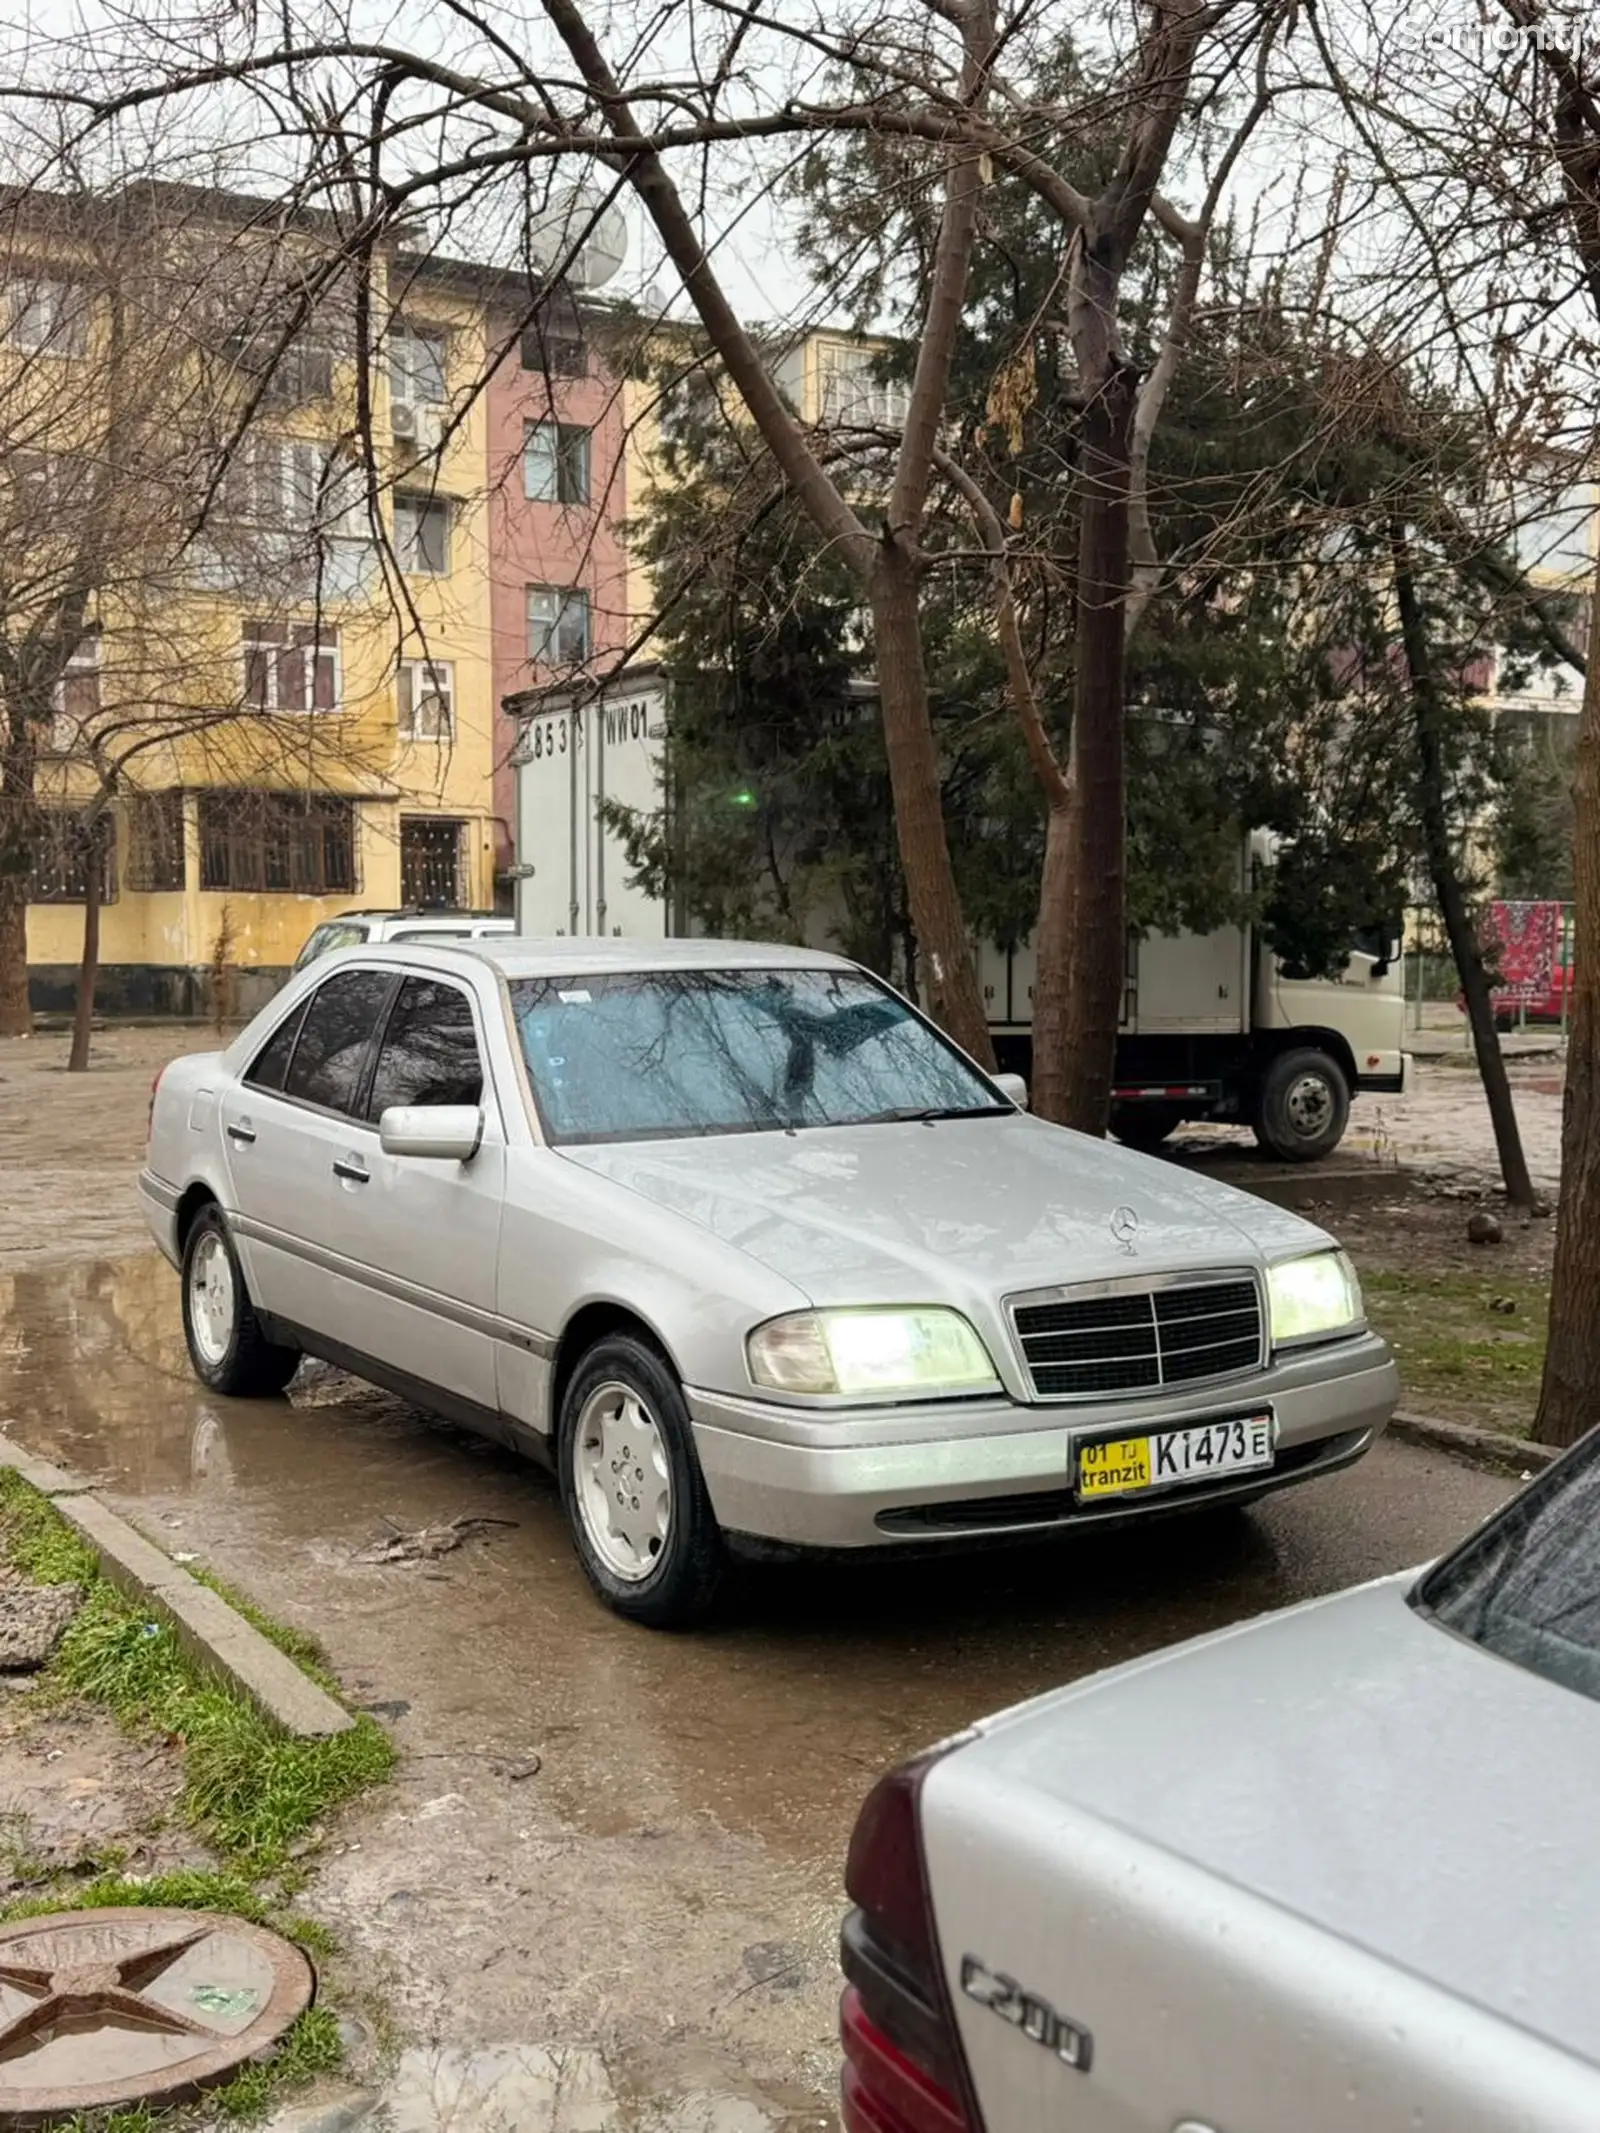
{"x": 1145, "y": 1126}
{"x": 228, "y": 1349}
{"x": 1303, "y": 1108}
{"x": 632, "y": 1488}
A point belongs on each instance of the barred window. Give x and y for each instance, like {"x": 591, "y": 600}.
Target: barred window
{"x": 300, "y": 843}
{"x": 63, "y": 843}
{"x": 155, "y": 841}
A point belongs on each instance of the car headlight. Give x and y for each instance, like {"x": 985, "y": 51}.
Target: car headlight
{"x": 1310, "y": 1298}
{"x": 874, "y": 1352}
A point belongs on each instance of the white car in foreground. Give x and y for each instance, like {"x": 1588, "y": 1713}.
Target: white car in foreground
{"x": 1326, "y": 1872}
{"x": 745, "y": 1249}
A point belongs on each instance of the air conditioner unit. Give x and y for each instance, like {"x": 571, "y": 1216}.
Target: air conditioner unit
{"x": 429, "y": 429}
{"x": 403, "y": 419}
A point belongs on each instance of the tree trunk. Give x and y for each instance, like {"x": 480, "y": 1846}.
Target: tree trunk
{"x": 89, "y": 965}
{"x": 1052, "y": 970}
{"x": 1447, "y": 887}
{"x": 1099, "y": 766}
{"x": 17, "y": 757}
{"x": 1569, "y": 1399}
{"x": 949, "y": 974}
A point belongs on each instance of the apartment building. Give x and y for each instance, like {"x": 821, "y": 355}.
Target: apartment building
{"x": 292, "y": 712}
{"x": 557, "y": 501}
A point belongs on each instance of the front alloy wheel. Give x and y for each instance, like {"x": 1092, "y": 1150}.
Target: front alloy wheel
{"x": 632, "y": 1488}
{"x": 623, "y": 1481}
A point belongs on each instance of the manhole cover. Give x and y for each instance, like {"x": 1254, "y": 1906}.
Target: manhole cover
{"x": 103, "y": 2008}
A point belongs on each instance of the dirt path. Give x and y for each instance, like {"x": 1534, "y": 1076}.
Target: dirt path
{"x": 70, "y": 1144}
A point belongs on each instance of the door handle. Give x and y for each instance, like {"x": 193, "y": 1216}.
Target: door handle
{"x": 348, "y": 1166}
{"x": 240, "y": 1129}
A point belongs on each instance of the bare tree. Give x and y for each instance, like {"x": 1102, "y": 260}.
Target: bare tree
{"x": 181, "y": 547}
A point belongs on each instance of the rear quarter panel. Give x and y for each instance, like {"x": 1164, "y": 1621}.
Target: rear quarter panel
{"x": 185, "y": 1144}
{"x": 1208, "y": 2007}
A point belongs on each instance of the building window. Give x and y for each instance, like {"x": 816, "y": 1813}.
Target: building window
{"x": 291, "y": 666}
{"x": 288, "y": 376}
{"x": 426, "y": 689}
{"x": 47, "y": 317}
{"x": 555, "y": 463}
{"x": 300, "y": 843}
{"x": 558, "y": 625}
{"x": 554, "y": 355}
{"x": 77, "y": 699}
{"x": 417, "y": 366}
{"x": 293, "y": 485}
{"x": 854, "y": 394}
{"x": 156, "y": 841}
{"x": 64, "y": 845}
{"x": 422, "y": 535}
{"x": 433, "y": 862}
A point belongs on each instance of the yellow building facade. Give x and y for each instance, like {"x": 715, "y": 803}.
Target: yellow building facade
{"x": 303, "y": 717}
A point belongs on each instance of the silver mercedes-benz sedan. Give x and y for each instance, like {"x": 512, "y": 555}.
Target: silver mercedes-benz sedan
{"x": 745, "y": 1249}
{"x": 1325, "y": 1872}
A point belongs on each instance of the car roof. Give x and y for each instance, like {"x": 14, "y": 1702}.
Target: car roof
{"x": 424, "y": 919}
{"x": 526, "y": 956}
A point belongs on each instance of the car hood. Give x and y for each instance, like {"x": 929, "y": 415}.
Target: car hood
{"x": 1355, "y": 1763}
{"x": 904, "y": 1212}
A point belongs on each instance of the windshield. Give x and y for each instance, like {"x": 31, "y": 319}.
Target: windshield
{"x": 1527, "y": 1585}
{"x": 328, "y": 937}
{"x": 648, "y": 1055}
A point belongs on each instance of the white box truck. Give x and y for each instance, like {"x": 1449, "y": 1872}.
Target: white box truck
{"x": 1213, "y": 1026}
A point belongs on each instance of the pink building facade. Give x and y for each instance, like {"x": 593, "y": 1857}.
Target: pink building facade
{"x": 557, "y": 507}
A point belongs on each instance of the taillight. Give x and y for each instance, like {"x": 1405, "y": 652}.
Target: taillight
{"x": 150, "y": 1118}
{"x": 904, "y": 2068}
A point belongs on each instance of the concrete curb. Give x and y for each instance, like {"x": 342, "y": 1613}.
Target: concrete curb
{"x": 214, "y": 1634}
{"x": 1489, "y": 1448}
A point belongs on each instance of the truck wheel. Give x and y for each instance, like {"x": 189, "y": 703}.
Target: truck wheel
{"x": 1303, "y": 1108}
{"x": 1145, "y": 1126}
{"x": 632, "y": 1488}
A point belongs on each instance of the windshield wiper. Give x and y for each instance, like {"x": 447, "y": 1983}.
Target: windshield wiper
{"x": 925, "y": 1115}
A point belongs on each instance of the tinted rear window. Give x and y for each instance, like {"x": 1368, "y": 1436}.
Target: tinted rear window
{"x": 1527, "y": 1585}
{"x": 335, "y": 1038}
{"x": 271, "y": 1063}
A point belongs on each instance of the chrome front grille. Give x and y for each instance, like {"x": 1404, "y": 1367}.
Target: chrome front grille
{"x": 1114, "y": 1340}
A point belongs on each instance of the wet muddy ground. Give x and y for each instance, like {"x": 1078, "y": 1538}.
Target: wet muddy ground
{"x": 599, "y": 1839}
{"x": 664, "y": 1885}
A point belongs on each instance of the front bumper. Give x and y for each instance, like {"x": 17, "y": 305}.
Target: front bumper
{"x": 880, "y": 1476}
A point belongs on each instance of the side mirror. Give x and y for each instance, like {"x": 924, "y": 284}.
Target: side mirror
{"x": 1014, "y": 1086}
{"x": 448, "y": 1132}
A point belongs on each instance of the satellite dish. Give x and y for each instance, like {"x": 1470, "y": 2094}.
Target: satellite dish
{"x": 561, "y": 223}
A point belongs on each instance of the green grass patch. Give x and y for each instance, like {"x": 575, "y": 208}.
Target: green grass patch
{"x": 1463, "y": 1354}
{"x": 250, "y": 1789}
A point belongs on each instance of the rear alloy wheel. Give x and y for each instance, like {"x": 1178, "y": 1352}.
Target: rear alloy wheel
{"x": 632, "y": 1488}
{"x": 227, "y": 1347}
{"x": 1304, "y": 1107}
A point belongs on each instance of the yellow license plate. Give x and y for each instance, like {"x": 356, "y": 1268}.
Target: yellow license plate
{"x": 1112, "y": 1469}
{"x": 1205, "y": 1451}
